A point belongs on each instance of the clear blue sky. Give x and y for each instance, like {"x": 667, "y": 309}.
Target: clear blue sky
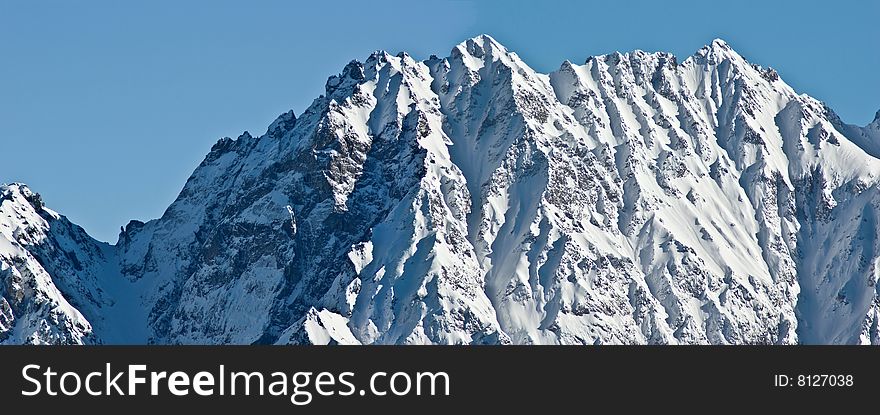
{"x": 106, "y": 108}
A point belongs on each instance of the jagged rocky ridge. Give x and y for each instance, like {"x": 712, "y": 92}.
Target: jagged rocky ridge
{"x": 469, "y": 199}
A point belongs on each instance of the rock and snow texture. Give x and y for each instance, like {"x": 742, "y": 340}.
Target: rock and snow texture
{"x": 36, "y": 244}
{"x": 471, "y": 200}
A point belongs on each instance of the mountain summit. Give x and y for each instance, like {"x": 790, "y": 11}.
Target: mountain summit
{"x": 472, "y": 200}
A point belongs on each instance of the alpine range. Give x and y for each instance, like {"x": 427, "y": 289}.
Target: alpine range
{"x": 636, "y": 198}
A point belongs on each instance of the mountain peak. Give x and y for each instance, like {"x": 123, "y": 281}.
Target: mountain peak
{"x": 22, "y": 196}
{"x": 480, "y": 46}
{"x": 483, "y": 50}
{"x": 486, "y": 41}
{"x": 9, "y": 191}
{"x": 378, "y": 57}
{"x": 473, "y": 200}
{"x": 716, "y": 52}
{"x": 720, "y": 44}
{"x": 282, "y": 124}
{"x": 351, "y": 74}
{"x": 8, "y": 188}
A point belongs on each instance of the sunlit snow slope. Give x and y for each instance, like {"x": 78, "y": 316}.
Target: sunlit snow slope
{"x": 630, "y": 199}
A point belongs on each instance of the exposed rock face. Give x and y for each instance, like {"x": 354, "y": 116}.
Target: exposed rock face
{"x": 631, "y": 199}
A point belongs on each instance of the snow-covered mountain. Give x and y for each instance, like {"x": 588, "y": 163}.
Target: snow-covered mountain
{"x": 469, "y": 199}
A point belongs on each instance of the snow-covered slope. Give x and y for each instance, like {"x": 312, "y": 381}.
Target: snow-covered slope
{"x": 469, "y": 199}
{"x": 46, "y": 273}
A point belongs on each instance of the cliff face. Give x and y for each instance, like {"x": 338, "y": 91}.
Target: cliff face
{"x": 469, "y": 199}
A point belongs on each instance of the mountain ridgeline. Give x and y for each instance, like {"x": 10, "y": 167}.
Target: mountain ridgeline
{"x": 632, "y": 199}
